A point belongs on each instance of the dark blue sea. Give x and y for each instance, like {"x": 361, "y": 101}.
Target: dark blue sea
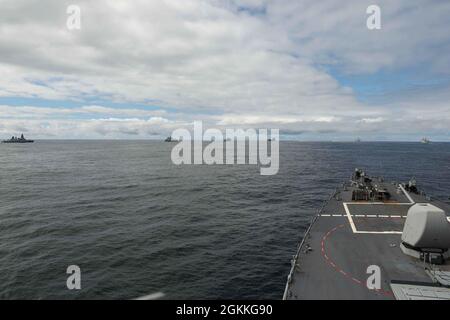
{"x": 137, "y": 224}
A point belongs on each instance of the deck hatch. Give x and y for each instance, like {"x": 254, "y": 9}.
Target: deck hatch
{"x": 407, "y": 291}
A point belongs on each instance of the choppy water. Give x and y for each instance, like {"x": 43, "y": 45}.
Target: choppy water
{"x": 136, "y": 224}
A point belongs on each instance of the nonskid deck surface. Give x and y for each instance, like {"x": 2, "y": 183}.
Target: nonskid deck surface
{"x": 346, "y": 239}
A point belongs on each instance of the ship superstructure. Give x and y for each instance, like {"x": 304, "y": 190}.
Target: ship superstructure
{"x": 374, "y": 240}
{"x": 20, "y": 139}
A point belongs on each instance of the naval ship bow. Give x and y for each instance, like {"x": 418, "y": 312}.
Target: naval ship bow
{"x": 374, "y": 240}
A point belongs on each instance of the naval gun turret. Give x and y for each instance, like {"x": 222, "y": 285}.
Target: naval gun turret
{"x": 412, "y": 186}
{"x": 426, "y": 234}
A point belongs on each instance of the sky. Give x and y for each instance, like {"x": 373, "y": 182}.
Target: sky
{"x": 140, "y": 69}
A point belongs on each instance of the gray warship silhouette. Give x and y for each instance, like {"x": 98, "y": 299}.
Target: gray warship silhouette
{"x": 18, "y": 140}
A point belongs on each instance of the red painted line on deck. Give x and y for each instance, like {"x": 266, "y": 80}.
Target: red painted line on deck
{"x": 331, "y": 263}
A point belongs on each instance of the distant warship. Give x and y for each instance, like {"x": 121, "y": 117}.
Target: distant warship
{"x": 425, "y": 141}
{"x": 18, "y": 140}
{"x": 169, "y": 139}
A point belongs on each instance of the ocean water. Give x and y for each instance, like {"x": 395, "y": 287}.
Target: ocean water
{"x": 137, "y": 224}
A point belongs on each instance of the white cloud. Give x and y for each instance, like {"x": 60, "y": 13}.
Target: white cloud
{"x": 40, "y": 112}
{"x": 228, "y": 62}
{"x": 371, "y": 120}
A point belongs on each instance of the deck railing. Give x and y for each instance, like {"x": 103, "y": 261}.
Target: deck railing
{"x": 299, "y": 248}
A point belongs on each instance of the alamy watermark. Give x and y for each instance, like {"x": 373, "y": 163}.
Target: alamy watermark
{"x": 374, "y": 20}
{"x": 374, "y": 280}
{"x": 248, "y": 146}
{"x": 74, "y": 280}
{"x": 73, "y": 21}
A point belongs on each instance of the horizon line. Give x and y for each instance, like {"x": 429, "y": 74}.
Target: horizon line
{"x": 280, "y": 140}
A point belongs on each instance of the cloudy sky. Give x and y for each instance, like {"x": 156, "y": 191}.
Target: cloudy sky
{"x": 139, "y": 69}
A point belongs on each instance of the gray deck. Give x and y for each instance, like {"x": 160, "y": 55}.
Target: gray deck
{"x": 332, "y": 261}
